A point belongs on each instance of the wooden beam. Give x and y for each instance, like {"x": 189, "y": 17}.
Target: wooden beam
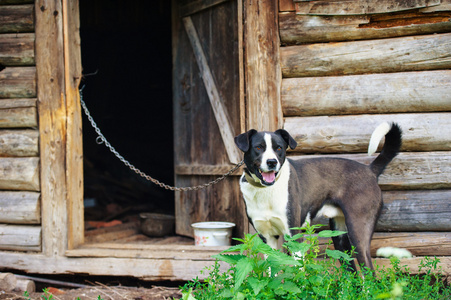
{"x": 17, "y": 49}
{"x": 52, "y": 125}
{"x": 18, "y": 82}
{"x": 193, "y": 7}
{"x": 363, "y": 94}
{"x": 206, "y": 170}
{"x": 16, "y": 18}
{"x": 20, "y": 207}
{"x": 21, "y": 173}
{"x": 413, "y": 171}
{"x": 262, "y": 65}
{"x": 217, "y": 104}
{"x": 20, "y": 237}
{"x": 19, "y": 143}
{"x": 344, "y": 134}
{"x": 363, "y": 57}
{"x": 74, "y": 146}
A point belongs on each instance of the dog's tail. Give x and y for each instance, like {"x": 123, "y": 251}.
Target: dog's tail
{"x": 393, "y": 141}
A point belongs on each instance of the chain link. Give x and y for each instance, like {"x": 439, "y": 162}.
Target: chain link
{"x": 102, "y": 140}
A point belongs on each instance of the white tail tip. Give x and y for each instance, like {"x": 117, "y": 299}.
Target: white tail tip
{"x": 377, "y": 136}
{"x": 392, "y": 251}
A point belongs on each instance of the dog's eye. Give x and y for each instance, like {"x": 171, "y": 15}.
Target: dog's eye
{"x": 259, "y": 147}
{"x": 279, "y": 148}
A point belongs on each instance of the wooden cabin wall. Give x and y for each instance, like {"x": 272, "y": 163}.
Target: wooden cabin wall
{"x": 20, "y": 217}
{"x": 347, "y": 68}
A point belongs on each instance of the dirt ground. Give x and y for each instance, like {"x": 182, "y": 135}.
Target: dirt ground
{"x": 105, "y": 293}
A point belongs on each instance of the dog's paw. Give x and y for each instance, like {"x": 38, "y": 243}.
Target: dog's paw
{"x": 392, "y": 251}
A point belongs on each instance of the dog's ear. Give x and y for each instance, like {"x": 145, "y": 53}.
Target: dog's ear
{"x": 242, "y": 140}
{"x": 287, "y": 138}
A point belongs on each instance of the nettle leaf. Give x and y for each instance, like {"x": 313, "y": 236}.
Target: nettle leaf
{"x": 315, "y": 280}
{"x": 230, "y": 259}
{"x": 294, "y": 237}
{"x": 243, "y": 268}
{"x": 338, "y": 254}
{"x": 257, "y": 284}
{"x": 330, "y": 233}
{"x": 296, "y": 247}
{"x": 291, "y": 287}
{"x": 279, "y": 258}
{"x": 237, "y": 248}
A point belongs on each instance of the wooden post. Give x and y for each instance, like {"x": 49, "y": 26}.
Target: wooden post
{"x": 262, "y": 66}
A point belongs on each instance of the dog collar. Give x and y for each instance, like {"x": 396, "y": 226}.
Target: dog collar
{"x": 251, "y": 180}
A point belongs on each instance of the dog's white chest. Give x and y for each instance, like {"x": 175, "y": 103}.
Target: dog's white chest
{"x": 267, "y": 206}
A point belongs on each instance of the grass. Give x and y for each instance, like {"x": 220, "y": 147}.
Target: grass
{"x": 309, "y": 274}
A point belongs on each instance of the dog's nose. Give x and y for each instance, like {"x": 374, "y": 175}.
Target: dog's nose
{"x": 272, "y": 163}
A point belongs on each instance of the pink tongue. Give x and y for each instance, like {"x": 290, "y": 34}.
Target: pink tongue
{"x": 269, "y": 176}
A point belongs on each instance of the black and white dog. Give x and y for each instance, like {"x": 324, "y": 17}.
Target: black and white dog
{"x": 281, "y": 193}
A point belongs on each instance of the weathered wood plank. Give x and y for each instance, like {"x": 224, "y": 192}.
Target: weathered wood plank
{"x": 359, "y": 7}
{"x": 17, "y": 49}
{"x": 20, "y": 237}
{"x": 196, "y": 6}
{"x": 18, "y": 82}
{"x": 16, "y": 18}
{"x": 262, "y": 65}
{"x": 149, "y": 269}
{"x": 18, "y": 113}
{"x": 373, "y": 93}
{"x": 409, "y": 171}
{"x": 20, "y": 173}
{"x": 206, "y": 170}
{"x": 74, "y": 156}
{"x": 339, "y": 134}
{"x": 362, "y": 57}
{"x": 20, "y": 208}
{"x": 19, "y": 143}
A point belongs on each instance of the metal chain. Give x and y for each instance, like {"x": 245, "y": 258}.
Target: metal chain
{"x": 102, "y": 140}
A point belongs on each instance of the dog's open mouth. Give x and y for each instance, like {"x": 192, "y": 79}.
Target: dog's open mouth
{"x": 268, "y": 177}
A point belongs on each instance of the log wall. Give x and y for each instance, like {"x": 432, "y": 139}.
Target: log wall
{"x": 348, "y": 66}
{"x": 20, "y": 204}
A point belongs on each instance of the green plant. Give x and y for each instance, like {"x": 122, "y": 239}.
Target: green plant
{"x": 259, "y": 272}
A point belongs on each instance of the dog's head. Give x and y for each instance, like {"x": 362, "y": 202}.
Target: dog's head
{"x": 264, "y": 153}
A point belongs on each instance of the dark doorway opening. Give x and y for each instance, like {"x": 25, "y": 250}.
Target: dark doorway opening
{"x": 127, "y": 65}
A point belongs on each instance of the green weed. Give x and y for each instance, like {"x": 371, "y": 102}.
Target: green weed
{"x": 259, "y": 272}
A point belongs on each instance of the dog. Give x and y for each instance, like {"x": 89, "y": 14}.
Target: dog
{"x": 281, "y": 193}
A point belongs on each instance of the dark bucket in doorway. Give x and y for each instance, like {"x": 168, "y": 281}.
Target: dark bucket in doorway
{"x": 154, "y": 224}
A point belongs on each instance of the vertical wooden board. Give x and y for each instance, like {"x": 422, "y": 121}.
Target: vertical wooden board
{"x": 197, "y": 140}
{"x": 52, "y": 125}
{"x": 262, "y": 65}
{"x": 74, "y": 148}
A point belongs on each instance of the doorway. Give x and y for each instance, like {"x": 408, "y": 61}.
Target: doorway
{"x": 127, "y": 68}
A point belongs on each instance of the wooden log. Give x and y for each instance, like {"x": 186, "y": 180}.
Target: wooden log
{"x": 408, "y": 171}
{"x": 18, "y": 82}
{"x": 20, "y": 173}
{"x": 8, "y": 282}
{"x": 418, "y": 243}
{"x": 19, "y": 143}
{"x": 20, "y": 207}
{"x": 362, "y": 57}
{"x": 403, "y": 211}
{"x": 416, "y": 211}
{"x": 18, "y": 113}
{"x": 25, "y": 285}
{"x": 17, "y": 49}
{"x": 20, "y": 237}
{"x": 359, "y": 7}
{"x": 373, "y": 93}
{"x": 339, "y": 134}
{"x": 302, "y": 29}
{"x": 16, "y": 18}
